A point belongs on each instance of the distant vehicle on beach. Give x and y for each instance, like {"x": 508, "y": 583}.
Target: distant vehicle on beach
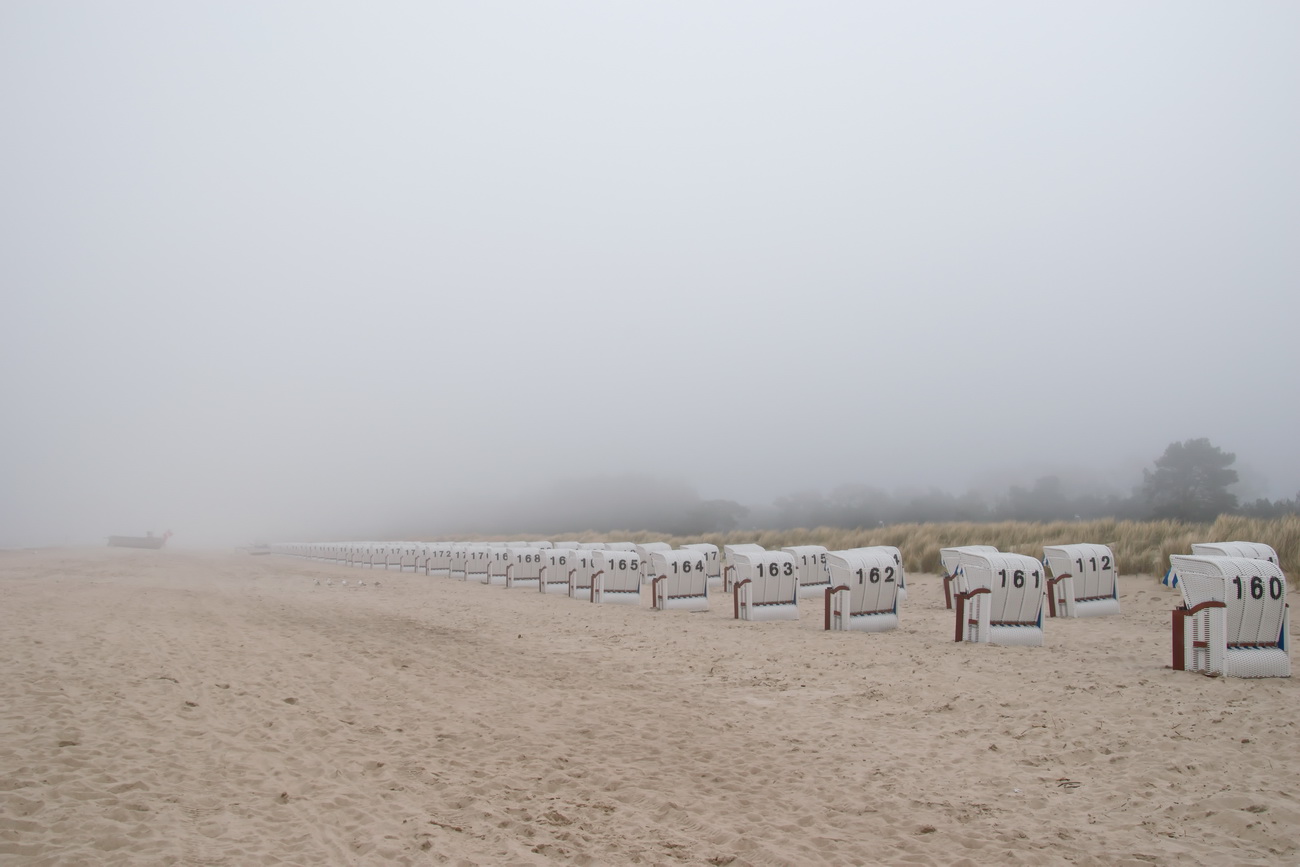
{"x": 149, "y": 540}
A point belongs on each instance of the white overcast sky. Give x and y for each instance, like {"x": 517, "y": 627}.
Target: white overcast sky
{"x": 274, "y": 268}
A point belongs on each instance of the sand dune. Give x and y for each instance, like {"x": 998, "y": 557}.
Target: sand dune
{"x": 166, "y": 707}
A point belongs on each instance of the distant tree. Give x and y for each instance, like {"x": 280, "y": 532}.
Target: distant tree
{"x": 1190, "y": 482}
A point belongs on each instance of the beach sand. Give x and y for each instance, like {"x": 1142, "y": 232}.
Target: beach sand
{"x": 173, "y": 707}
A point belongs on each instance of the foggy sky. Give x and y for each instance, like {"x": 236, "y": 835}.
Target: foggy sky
{"x": 307, "y": 269}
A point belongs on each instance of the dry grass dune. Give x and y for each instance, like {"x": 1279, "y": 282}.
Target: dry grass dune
{"x": 221, "y": 709}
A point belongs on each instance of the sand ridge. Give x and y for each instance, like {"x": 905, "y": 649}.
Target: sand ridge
{"x": 223, "y": 709}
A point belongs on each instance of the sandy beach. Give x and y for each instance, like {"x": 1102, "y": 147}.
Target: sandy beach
{"x": 173, "y": 707}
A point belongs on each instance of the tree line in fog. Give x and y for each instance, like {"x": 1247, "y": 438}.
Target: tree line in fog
{"x": 1189, "y": 482}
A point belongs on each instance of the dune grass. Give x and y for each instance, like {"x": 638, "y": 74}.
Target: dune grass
{"x": 1141, "y": 547}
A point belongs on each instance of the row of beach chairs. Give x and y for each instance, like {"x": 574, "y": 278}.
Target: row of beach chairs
{"x": 861, "y": 588}
{"x": 1234, "y": 619}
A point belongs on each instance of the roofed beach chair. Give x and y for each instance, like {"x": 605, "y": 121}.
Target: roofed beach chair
{"x": 557, "y": 563}
{"x": 765, "y": 585}
{"x": 1234, "y": 620}
{"x": 729, "y": 553}
{"x": 1003, "y": 599}
{"x": 457, "y": 554}
{"x": 438, "y": 561}
{"x": 712, "y": 559}
{"x": 524, "y": 568}
{"x": 679, "y": 580}
{"x": 644, "y": 550}
{"x": 810, "y": 563}
{"x": 951, "y": 558}
{"x": 408, "y": 556}
{"x": 582, "y": 564}
{"x": 1250, "y": 550}
{"x": 477, "y": 559}
{"x": 617, "y": 577}
{"x": 864, "y": 590}
{"x": 1084, "y": 582}
{"x": 498, "y": 561}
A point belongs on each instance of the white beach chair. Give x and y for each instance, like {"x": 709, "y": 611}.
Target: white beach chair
{"x": 810, "y": 564}
{"x": 765, "y": 586}
{"x": 1234, "y": 620}
{"x": 457, "y": 555}
{"x": 951, "y": 558}
{"x": 524, "y": 568}
{"x": 1249, "y": 550}
{"x": 864, "y": 590}
{"x": 729, "y": 554}
{"x": 477, "y": 560}
{"x": 617, "y": 577}
{"x": 438, "y": 560}
{"x": 712, "y": 559}
{"x": 680, "y": 580}
{"x": 498, "y": 562}
{"x": 1003, "y": 602}
{"x": 557, "y": 565}
{"x": 1084, "y": 582}
{"x": 581, "y": 567}
{"x": 408, "y": 556}
{"x": 644, "y": 550}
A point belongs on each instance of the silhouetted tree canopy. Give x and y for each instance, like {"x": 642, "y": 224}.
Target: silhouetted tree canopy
{"x": 1190, "y": 482}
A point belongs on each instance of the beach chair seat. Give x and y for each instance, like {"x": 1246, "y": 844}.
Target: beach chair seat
{"x": 810, "y": 564}
{"x": 617, "y": 577}
{"x": 729, "y": 554}
{"x": 1003, "y": 599}
{"x": 557, "y": 563}
{"x": 951, "y": 558}
{"x": 1234, "y": 620}
{"x": 864, "y": 589}
{"x": 680, "y": 580}
{"x": 765, "y": 586}
{"x": 1084, "y": 580}
{"x": 712, "y": 559}
{"x": 524, "y": 568}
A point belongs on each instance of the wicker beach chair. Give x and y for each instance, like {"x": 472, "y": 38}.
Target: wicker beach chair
{"x": 617, "y": 577}
{"x": 1234, "y": 620}
{"x": 951, "y": 558}
{"x": 680, "y": 580}
{"x": 810, "y": 564}
{"x": 765, "y": 586}
{"x": 1084, "y": 581}
{"x": 864, "y": 590}
{"x": 1003, "y": 599}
